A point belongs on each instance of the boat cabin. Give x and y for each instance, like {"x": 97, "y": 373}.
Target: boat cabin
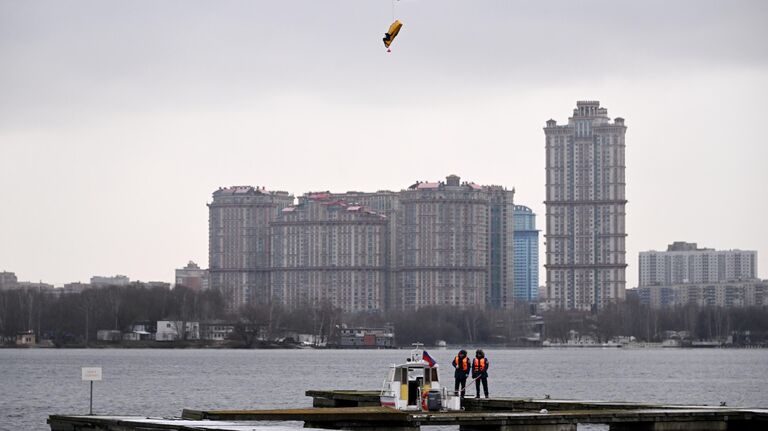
{"x": 415, "y": 385}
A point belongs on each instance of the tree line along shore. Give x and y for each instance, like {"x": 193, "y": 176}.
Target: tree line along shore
{"x": 74, "y": 320}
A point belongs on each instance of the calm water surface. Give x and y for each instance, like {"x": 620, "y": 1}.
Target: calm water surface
{"x": 37, "y": 382}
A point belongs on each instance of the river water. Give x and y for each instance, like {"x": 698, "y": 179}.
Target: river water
{"x": 37, "y": 382}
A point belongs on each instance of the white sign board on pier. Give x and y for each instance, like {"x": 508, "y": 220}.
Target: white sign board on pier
{"x": 92, "y": 374}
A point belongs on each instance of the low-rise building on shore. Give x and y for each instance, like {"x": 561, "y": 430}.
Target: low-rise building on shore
{"x": 177, "y": 330}
{"x": 744, "y": 293}
{"x": 367, "y": 338}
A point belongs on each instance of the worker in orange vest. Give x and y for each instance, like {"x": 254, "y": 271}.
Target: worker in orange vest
{"x": 480, "y": 372}
{"x": 461, "y": 364}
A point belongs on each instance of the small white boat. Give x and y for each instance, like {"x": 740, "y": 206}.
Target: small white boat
{"x": 415, "y": 385}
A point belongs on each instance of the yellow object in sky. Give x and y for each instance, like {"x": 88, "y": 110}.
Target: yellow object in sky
{"x": 391, "y": 34}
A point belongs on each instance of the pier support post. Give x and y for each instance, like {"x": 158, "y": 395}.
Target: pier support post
{"x": 670, "y": 426}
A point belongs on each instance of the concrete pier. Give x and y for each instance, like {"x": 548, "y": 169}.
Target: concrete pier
{"x": 502, "y": 414}
{"x": 380, "y": 418}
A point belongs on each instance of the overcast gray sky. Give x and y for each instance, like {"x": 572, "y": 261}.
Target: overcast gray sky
{"x": 119, "y": 118}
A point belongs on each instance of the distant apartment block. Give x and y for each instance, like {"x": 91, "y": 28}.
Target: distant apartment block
{"x": 743, "y": 293}
{"x": 585, "y": 203}
{"x": 74, "y": 288}
{"x": 8, "y": 280}
{"x": 454, "y": 245}
{"x": 687, "y": 263}
{"x": 239, "y": 242}
{"x": 326, "y": 250}
{"x": 387, "y": 203}
{"x": 450, "y": 243}
{"x": 117, "y": 280}
{"x": 526, "y": 255}
{"x": 192, "y": 276}
{"x": 37, "y": 286}
{"x": 435, "y": 243}
{"x": 10, "y": 283}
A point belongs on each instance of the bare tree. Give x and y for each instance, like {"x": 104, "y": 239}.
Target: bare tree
{"x": 87, "y": 305}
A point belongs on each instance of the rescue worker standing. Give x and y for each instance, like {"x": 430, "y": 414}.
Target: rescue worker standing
{"x": 480, "y": 372}
{"x": 461, "y": 364}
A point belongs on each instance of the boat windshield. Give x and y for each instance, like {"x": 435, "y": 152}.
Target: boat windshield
{"x": 412, "y": 373}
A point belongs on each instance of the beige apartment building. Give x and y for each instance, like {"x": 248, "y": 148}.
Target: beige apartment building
{"x": 451, "y": 243}
{"x": 585, "y": 209}
{"x": 444, "y": 243}
{"x": 326, "y": 250}
{"x": 239, "y": 242}
{"x": 454, "y": 245}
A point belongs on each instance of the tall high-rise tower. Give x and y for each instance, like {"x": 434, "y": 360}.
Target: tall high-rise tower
{"x": 526, "y": 255}
{"x": 455, "y": 245}
{"x": 239, "y": 242}
{"x": 585, "y": 232}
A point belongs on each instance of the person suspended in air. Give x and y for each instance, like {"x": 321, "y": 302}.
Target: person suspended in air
{"x": 391, "y": 34}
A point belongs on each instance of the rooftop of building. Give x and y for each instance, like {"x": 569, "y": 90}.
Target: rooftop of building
{"x": 682, "y": 246}
{"x": 589, "y": 109}
{"x": 192, "y": 265}
{"x": 327, "y": 199}
{"x": 452, "y": 182}
{"x": 247, "y": 190}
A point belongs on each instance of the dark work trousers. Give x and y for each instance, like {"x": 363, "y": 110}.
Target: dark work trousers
{"x": 461, "y": 381}
{"x": 484, "y": 380}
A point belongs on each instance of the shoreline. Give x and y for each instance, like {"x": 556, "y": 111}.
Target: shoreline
{"x": 272, "y": 346}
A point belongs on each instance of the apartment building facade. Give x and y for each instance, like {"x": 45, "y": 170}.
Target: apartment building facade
{"x": 446, "y": 243}
{"x": 325, "y": 250}
{"x": 585, "y": 209}
{"x": 451, "y": 243}
{"x": 685, "y": 262}
{"x": 526, "y": 255}
{"x": 239, "y": 242}
{"x": 742, "y": 293}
